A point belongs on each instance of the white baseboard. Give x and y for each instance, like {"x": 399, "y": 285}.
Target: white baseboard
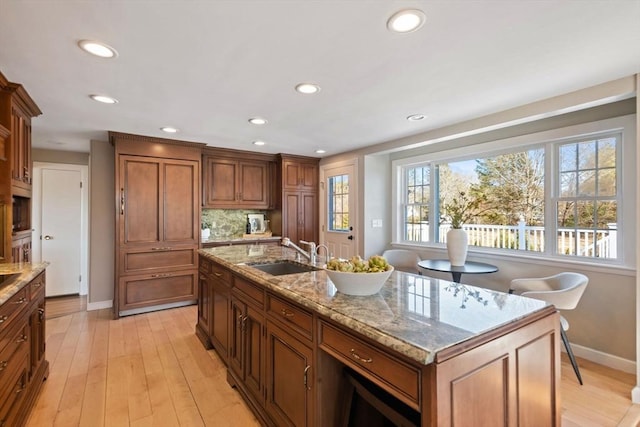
{"x": 99, "y": 305}
{"x": 606, "y": 359}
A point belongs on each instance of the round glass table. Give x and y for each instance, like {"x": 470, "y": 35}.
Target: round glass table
{"x": 469, "y": 267}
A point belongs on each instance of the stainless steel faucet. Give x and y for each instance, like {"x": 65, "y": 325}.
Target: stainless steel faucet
{"x": 311, "y": 255}
{"x": 326, "y": 252}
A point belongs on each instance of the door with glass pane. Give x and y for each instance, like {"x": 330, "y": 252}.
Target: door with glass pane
{"x": 339, "y": 227}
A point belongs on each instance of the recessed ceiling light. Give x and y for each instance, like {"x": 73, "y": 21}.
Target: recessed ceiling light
{"x": 104, "y": 99}
{"x": 308, "y": 88}
{"x": 320, "y": 151}
{"x": 259, "y": 142}
{"x": 169, "y": 129}
{"x": 97, "y": 48}
{"x": 416, "y": 117}
{"x": 406, "y": 21}
{"x": 258, "y": 121}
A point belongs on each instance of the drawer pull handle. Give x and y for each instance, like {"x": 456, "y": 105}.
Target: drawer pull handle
{"x": 287, "y": 313}
{"x": 37, "y": 284}
{"x": 22, "y": 339}
{"x": 155, "y": 276}
{"x": 166, "y": 248}
{"x": 122, "y": 201}
{"x": 22, "y": 300}
{"x": 359, "y": 358}
{"x": 306, "y": 379}
{"x": 41, "y": 314}
{"x": 3, "y": 365}
{"x": 3, "y": 319}
{"x": 217, "y": 274}
{"x": 21, "y": 389}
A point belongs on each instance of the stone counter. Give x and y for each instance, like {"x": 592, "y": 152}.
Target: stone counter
{"x": 417, "y": 316}
{"x": 25, "y": 272}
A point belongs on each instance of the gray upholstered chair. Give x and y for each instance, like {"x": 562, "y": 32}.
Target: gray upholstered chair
{"x": 403, "y": 260}
{"x": 563, "y": 290}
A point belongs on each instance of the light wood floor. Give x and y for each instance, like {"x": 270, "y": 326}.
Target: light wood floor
{"x": 62, "y": 306}
{"x": 151, "y": 370}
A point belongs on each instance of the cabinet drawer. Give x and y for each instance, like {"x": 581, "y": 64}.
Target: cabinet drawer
{"x": 13, "y": 306}
{"x": 204, "y": 265}
{"x": 298, "y": 319}
{"x": 14, "y": 345}
{"x": 37, "y": 287}
{"x": 220, "y": 274}
{"x": 158, "y": 258}
{"x": 398, "y": 378}
{"x": 155, "y": 289}
{"x": 253, "y": 291}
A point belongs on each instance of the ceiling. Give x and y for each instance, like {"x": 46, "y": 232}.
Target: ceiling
{"x": 206, "y": 67}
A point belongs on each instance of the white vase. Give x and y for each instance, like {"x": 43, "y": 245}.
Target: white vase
{"x": 457, "y": 245}
{"x": 205, "y": 233}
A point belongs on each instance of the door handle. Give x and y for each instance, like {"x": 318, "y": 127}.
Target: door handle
{"x": 350, "y": 237}
{"x": 47, "y": 237}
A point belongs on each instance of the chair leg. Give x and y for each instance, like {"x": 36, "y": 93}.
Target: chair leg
{"x": 565, "y": 340}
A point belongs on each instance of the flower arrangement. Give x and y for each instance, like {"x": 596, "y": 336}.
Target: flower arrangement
{"x": 462, "y": 209}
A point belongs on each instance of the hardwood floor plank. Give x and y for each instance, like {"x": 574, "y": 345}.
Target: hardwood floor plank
{"x": 151, "y": 370}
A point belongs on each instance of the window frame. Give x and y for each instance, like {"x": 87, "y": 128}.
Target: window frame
{"x": 549, "y": 140}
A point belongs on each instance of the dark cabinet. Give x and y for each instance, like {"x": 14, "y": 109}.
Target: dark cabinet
{"x": 23, "y": 366}
{"x": 237, "y": 180}
{"x": 157, "y": 221}
{"x": 299, "y": 197}
{"x": 300, "y": 216}
{"x": 16, "y": 111}
{"x": 246, "y": 354}
{"x": 289, "y": 378}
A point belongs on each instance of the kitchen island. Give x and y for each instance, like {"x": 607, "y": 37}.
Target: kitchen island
{"x": 422, "y": 351}
{"x": 23, "y": 366}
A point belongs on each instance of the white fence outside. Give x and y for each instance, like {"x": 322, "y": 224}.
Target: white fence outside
{"x": 581, "y": 242}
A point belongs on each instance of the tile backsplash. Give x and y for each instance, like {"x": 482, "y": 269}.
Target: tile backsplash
{"x": 227, "y": 222}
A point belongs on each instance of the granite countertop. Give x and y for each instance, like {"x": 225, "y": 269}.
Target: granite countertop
{"x": 24, "y": 273}
{"x": 417, "y": 316}
{"x": 239, "y": 239}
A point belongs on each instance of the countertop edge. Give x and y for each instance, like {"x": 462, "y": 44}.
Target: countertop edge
{"x": 28, "y": 271}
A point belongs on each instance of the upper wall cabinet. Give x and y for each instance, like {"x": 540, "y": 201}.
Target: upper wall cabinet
{"x": 299, "y": 174}
{"x": 237, "y": 179}
{"x": 16, "y": 110}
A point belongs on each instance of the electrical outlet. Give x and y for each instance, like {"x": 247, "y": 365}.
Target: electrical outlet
{"x": 376, "y": 223}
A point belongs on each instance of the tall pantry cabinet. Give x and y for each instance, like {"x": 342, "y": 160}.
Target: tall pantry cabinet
{"x": 157, "y": 222}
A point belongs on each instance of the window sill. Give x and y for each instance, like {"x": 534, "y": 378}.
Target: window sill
{"x": 488, "y": 255}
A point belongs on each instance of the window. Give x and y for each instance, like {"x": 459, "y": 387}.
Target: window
{"x": 416, "y": 227}
{"x": 339, "y": 203}
{"x": 558, "y": 197}
{"x": 586, "y": 206}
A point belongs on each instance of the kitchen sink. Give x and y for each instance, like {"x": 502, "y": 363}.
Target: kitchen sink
{"x": 282, "y": 267}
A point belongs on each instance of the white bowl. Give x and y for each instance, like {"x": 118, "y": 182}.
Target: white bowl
{"x": 358, "y": 283}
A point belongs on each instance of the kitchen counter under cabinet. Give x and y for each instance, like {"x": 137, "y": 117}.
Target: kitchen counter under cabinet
{"x": 449, "y": 352}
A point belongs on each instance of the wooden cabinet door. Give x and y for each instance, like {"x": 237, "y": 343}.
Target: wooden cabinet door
{"x": 140, "y": 200}
{"x": 204, "y": 303}
{"x": 221, "y": 186}
{"x": 236, "y": 183}
{"x": 300, "y": 175}
{"x": 246, "y": 353}
{"x": 21, "y": 150}
{"x": 158, "y": 201}
{"x": 289, "y": 379}
{"x": 300, "y": 216}
{"x": 180, "y": 202}
{"x": 220, "y": 298}
{"x": 253, "y": 182}
{"x": 309, "y": 217}
{"x": 236, "y": 356}
{"x": 291, "y": 216}
{"x": 254, "y": 353}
